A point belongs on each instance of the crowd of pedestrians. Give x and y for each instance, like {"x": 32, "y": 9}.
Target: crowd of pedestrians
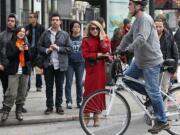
{"x": 59, "y": 55}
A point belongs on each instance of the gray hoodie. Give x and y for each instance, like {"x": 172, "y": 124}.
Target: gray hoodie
{"x": 143, "y": 41}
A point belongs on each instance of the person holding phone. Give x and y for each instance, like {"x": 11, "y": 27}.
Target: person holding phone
{"x": 95, "y": 50}
{"x": 18, "y": 71}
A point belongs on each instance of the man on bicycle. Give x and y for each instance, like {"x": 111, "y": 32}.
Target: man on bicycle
{"x": 143, "y": 41}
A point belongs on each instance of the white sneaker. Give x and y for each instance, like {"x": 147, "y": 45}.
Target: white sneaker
{"x": 69, "y": 105}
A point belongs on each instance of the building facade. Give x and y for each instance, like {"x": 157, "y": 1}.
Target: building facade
{"x": 5, "y": 8}
{"x": 44, "y": 8}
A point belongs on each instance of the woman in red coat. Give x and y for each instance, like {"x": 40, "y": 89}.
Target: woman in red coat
{"x": 95, "y": 50}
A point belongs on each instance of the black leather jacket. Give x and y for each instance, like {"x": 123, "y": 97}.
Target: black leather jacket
{"x": 177, "y": 39}
{"x": 169, "y": 49}
{"x": 5, "y": 37}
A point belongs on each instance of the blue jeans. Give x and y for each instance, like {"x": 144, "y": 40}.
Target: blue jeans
{"x": 78, "y": 69}
{"x": 151, "y": 77}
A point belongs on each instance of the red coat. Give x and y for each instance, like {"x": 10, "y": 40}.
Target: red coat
{"x": 95, "y": 78}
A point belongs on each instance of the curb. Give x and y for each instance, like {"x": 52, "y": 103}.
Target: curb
{"x": 38, "y": 120}
{"x": 44, "y": 119}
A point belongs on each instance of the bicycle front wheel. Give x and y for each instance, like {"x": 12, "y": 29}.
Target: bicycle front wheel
{"x": 173, "y": 112}
{"x": 113, "y": 113}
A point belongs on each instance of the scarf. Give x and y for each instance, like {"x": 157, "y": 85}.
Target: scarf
{"x": 20, "y": 43}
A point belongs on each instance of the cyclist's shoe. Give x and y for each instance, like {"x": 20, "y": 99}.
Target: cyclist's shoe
{"x": 147, "y": 103}
{"x": 158, "y": 127}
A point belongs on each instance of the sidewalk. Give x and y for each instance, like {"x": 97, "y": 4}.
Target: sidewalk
{"x": 36, "y": 104}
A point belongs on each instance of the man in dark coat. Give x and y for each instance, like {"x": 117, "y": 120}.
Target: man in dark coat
{"x": 34, "y": 31}
{"x": 169, "y": 51}
{"x": 177, "y": 38}
{"x": 5, "y": 37}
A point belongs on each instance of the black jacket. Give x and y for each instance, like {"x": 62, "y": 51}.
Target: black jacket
{"x": 5, "y": 37}
{"x": 12, "y": 53}
{"x": 177, "y": 39}
{"x": 39, "y": 29}
{"x": 63, "y": 41}
{"x": 169, "y": 49}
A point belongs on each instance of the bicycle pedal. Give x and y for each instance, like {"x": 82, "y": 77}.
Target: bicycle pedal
{"x": 154, "y": 132}
{"x": 120, "y": 88}
{"x": 147, "y": 103}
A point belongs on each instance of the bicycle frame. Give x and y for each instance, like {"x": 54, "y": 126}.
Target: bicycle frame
{"x": 111, "y": 101}
{"x": 132, "y": 92}
{"x": 134, "y": 95}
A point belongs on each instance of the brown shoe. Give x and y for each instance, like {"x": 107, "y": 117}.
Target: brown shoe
{"x": 86, "y": 118}
{"x": 96, "y": 119}
{"x": 158, "y": 127}
{"x": 59, "y": 110}
{"x": 48, "y": 111}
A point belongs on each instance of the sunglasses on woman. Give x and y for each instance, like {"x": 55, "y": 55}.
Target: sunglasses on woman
{"x": 94, "y": 28}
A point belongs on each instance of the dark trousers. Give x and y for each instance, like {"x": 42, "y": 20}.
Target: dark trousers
{"x": 50, "y": 75}
{"x": 78, "y": 69}
{"x": 38, "y": 81}
{"x": 4, "y": 80}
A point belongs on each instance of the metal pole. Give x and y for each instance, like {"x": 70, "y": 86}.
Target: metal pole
{"x": 151, "y": 8}
{"x": 3, "y": 14}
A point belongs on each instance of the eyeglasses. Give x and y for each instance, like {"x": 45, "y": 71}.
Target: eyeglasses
{"x": 94, "y": 28}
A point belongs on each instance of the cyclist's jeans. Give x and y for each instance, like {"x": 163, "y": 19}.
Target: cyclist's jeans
{"x": 151, "y": 77}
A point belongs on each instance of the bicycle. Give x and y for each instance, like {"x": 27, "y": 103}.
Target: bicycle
{"x": 116, "y": 116}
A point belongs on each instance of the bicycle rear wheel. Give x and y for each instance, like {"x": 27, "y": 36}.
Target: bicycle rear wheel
{"x": 114, "y": 118}
{"x": 174, "y": 120}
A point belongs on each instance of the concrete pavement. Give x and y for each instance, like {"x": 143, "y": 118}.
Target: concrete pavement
{"x": 36, "y": 104}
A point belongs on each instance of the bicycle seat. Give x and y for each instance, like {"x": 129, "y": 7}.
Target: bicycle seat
{"x": 169, "y": 63}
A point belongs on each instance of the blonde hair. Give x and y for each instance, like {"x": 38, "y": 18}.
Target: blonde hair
{"x": 101, "y": 30}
